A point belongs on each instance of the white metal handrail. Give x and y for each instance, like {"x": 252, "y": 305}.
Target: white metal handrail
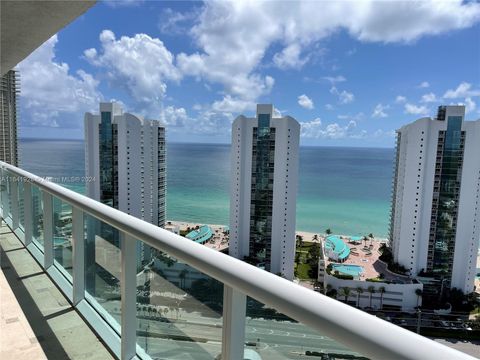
{"x": 354, "y": 328}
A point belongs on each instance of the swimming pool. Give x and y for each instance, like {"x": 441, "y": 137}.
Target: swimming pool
{"x": 354, "y": 270}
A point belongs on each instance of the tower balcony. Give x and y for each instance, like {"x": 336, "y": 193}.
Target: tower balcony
{"x": 176, "y": 299}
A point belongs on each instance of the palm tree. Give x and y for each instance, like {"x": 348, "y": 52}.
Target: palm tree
{"x": 419, "y": 294}
{"x": 328, "y": 288}
{"x": 182, "y": 277}
{"x": 328, "y": 231}
{"x": 371, "y": 290}
{"x": 381, "y": 290}
{"x": 359, "y": 291}
{"x": 333, "y": 293}
{"x": 345, "y": 291}
{"x": 165, "y": 312}
{"x": 365, "y": 241}
{"x": 371, "y": 238}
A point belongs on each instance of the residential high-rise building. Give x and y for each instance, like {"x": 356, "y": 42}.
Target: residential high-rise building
{"x": 9, "y": 87}
{"x": 263, "y": 196}
{"x": 435, "y": 220}
{"x": 125, "y": 158}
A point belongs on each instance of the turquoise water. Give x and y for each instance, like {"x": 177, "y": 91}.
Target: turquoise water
{"x": 353, "y": 270}
{"x": 344, "y": 189}
{"x": 336, "y": 244}
{"x": 201, "y": 235}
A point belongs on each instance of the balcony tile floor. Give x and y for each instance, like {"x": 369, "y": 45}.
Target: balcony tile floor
{"x": 36, "y": 320}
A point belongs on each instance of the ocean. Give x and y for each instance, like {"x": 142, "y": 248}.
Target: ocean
{"x": 344, "y": 189}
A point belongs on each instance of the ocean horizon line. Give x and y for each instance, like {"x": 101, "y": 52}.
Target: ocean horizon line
{"x": 214, "y": 143}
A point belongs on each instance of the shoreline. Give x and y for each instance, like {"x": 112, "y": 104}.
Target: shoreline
{"x": 307, "y": 235}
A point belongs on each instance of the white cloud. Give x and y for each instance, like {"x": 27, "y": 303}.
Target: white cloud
{"x": 123, "y": 3}
{"x": 314, "y": 130}
{"x": 233, "y": 37}
{"x": 329, "y": 106}
{"x": 232, "y": 105}
{"x": 141, "y": 65}
{"x": 344, "y": 97}
{"x": 423, "y": 85}
{"x": 175, "y": 117}
{"x": 400, "y": 99}
{"x": 52, "y": 95}
{"x": 384, "y": 133}
{"x": 379, "y": 111}
{"x": 470, "y": 105}
{"x": 290, "y": 58}
{"x": 173, "y": 22}
{"x": 356, "y": 117}
{"x": 277, "y": 113}
{"x": 416, "y": 110}
{"x": 335, "y": 79}
{"x": 428, "y": 98}
{"x": 463, "y": 90}
{"x": 305, "y": 102}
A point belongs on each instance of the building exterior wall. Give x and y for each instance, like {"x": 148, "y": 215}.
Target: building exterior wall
{"x": 137, "y": 157}
{"x": 423, "y": 165}
{"x": 402, "y": 295}
{"x": 9, "y": 87}
{"x": 264, "y": 162}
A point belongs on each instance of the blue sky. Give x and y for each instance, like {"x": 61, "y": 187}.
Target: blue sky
{"x": 350, "y": 72}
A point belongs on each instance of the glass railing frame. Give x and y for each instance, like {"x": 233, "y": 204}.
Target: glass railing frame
{"x": 354, "y": 328}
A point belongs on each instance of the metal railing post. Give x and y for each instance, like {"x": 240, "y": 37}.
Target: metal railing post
{"x": 28, "y": 212}
{"x": 47, "y": 229}
{"x": 78, "y": 255}
{"x": 233, "y": 330}
{"x": 128, "y": 286}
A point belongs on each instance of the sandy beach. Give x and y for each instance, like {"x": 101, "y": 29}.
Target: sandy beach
{"x": 220, "y": 241}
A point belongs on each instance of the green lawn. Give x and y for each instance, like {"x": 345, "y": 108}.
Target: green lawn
{"x": 302, "y": 271}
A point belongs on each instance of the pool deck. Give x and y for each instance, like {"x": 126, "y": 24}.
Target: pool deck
{"x": 372, "y": 266}
{"x": 218, "y": 242}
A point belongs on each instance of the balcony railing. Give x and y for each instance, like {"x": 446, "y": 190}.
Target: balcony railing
{"x": 191, "y": 301}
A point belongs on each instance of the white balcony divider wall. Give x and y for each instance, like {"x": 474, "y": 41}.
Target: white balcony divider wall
{"x": 361, "y": 332}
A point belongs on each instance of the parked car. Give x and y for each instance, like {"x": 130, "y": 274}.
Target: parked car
{"x": 445, "y": 324}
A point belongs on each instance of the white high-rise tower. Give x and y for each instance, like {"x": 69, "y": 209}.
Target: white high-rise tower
{"x": 435, "y": 221}
{"x": 263, "y": 194}
{"x": 125, "y": 155}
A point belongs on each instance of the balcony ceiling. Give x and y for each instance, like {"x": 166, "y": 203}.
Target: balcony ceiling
{"x": 25, "y": 25}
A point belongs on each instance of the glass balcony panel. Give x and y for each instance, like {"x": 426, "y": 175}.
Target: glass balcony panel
{"x": 6, "y": 196}
{"x": 179, "y": 309}
{"x": 62, "y": 237}
{"x": 103, "y": 269}
{"x": 272, "y": 335}
{"x": 37, "y": 217}
{"x": 21, "y": 206}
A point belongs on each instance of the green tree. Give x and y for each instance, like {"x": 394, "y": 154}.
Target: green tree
{"x": 365, "y": 239}
{"x": 182, "y": 276}
{"x": 314, "y": 254}
{"x": 381, "y": 290}
{"x": 328, "y": 231}
{"x": 371, "y": 290}
{"x": 328, "y": 288}
{"x": 359, "y": 291}
{"x": 419, "y": 294}
{"x": 333, "y": 293}
{"x": 345, "y": 291}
